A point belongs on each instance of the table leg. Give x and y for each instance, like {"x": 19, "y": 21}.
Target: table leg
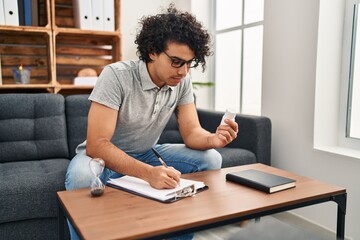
{"x": 61, "y": 221}
{"x": 341, "y": 211}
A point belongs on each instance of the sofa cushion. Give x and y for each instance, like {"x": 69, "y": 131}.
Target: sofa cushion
{"x": 171, "y": 132}
{"x": 32, "y": 127}
{"x": 32, "y": 229}
{"x": 28, "y": 189}
{"x": 236, "y": 156}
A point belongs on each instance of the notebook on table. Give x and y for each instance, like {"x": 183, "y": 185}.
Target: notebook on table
{"x": 263, "y": 181}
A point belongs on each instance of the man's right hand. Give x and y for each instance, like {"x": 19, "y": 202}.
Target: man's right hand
{"x": 162, "y": 177}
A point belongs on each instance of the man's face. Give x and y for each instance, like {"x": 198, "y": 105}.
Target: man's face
{"x": 166, "y": 69}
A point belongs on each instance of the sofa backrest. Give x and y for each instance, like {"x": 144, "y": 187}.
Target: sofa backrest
{"x": 77, "y": 108}
{"x": 32, "y": 127}
{"x": 171, "y": 132}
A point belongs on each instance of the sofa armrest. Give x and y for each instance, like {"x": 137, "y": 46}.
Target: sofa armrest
{"x": 254, "y": 132}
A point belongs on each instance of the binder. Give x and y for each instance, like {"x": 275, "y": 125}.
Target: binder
{"x": 2, "y": 13}
{"x": 21, "y": 12}
{"x": 27, "y": 13}
{"x": 35, "y": 12}
{"x": 97, "y": 14}
{"x": 11, "y": 12}
{"x": 82, "y": 14}
{"x": 109, "y": 23}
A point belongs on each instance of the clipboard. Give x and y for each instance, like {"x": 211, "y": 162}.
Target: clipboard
{"x": 141, "y": 188}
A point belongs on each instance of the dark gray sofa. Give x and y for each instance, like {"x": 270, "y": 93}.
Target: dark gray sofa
{"x": 38, "y": 137}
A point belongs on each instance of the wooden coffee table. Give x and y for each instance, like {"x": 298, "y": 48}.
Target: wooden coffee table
{"x": 121, "y": 215}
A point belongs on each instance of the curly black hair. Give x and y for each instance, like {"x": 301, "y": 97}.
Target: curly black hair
{"x": 180, "y": 27}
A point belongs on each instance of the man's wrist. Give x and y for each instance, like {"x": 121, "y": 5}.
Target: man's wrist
{"x": 210, "y": 141}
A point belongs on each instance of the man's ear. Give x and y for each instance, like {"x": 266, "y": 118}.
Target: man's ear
{"x": 153, "y": 56}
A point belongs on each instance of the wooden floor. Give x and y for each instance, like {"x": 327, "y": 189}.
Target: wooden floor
{"x": 233, "y": 230}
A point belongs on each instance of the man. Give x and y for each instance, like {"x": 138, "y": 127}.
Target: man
{"x": 135, "y": 99}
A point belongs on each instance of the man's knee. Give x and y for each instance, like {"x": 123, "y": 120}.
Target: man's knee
{"x": 213, "y": 159}
{"x": 78, "y": 174}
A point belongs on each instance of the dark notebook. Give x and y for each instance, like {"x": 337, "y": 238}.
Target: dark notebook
{"x": 263, "y": 181}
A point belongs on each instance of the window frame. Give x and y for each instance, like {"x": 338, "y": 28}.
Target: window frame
{"x": 346, "y": 69}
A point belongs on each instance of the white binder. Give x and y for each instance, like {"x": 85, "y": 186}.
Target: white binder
{"x": 11, "y": 12}
{"x": 2, "y": 13}
{"x": 82, "y": 14}
{"x": 109, "y": 23}
{"x": 97, "y": 14}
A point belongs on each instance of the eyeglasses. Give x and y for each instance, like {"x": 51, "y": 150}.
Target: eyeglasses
{"x": 178, "y": 63}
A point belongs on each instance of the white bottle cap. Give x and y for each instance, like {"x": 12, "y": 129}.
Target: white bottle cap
{"x": 230, "y": 113}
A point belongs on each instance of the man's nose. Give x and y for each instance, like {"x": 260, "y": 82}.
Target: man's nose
{"x": 183, "y": 70}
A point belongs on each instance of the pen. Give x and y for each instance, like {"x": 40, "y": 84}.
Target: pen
{"x": 159, "y": 157}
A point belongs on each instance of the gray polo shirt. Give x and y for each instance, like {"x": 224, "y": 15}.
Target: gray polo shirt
{"x": 144, "y": 108}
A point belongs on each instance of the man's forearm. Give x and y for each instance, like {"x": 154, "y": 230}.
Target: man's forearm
{"x": 199, "y": 139}
{"x": 117, "y": 160}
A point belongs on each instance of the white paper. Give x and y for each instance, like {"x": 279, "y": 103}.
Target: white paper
{"x": 85, "y": 81}
{"x": 142, "y": 187}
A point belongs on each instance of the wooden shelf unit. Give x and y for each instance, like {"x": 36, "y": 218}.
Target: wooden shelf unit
{"x": 55, "y": 51}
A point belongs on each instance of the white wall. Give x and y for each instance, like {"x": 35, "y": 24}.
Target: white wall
{"x": 289, "y": 80}
{"x": 204, "y": 96}
{"x": 131, "y": 13}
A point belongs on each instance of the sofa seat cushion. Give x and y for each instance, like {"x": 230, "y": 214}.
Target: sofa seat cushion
{"x": 28, "y": 189}
{"x": 236, "y": 157}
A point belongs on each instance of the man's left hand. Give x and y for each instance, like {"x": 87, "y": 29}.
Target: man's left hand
{"x": 224, "y": 135}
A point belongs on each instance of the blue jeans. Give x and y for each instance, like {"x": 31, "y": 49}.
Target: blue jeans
{"x": 180, "y": 157}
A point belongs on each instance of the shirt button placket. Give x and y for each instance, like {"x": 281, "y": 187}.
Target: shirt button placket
{"x": 156, "y": 107}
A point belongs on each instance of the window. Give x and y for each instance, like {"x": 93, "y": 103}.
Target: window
{"x": 332, "y": 119}
{"x": 238, "y": 55}
{"x": 349, "y": 133}
{"x": 353, "y": 103}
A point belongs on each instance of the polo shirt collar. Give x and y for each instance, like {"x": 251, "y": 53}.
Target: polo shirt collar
{"x": 146, "y": 81}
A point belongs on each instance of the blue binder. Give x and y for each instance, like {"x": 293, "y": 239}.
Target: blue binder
{"x": 27, "y": 13}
